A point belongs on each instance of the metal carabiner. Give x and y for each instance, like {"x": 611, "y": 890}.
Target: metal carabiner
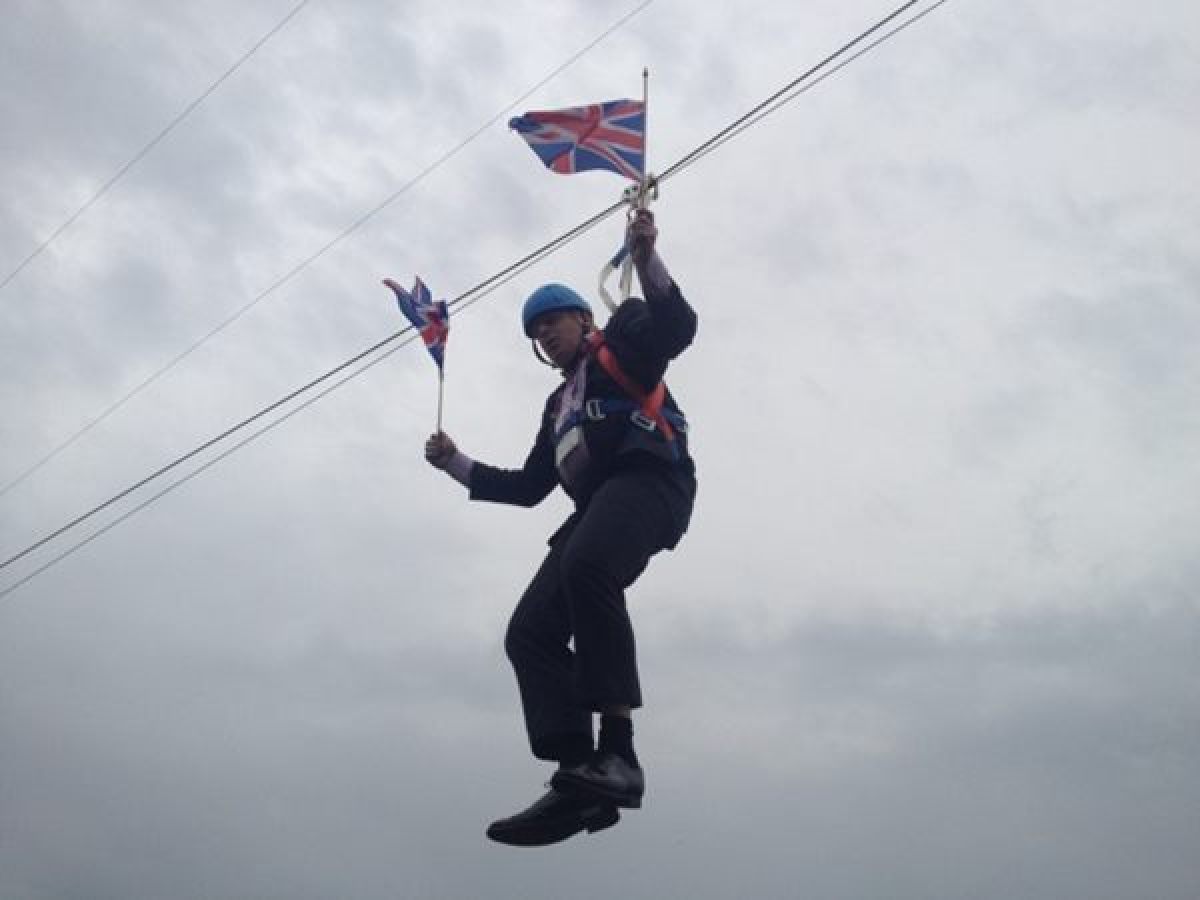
{"x": 637, "y": 196}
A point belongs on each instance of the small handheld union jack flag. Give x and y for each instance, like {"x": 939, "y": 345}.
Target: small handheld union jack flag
{"x": 431, "y": 319}
{"x": 609, "y": 136}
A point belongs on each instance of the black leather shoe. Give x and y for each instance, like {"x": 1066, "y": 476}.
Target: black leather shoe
{"x": 555, "y": 817}
{"x": 606, "y": 777}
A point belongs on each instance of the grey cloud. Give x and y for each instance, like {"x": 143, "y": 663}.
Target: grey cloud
{"x": 980, "y": 746}
{"x": 953, "y": 759}
{"x": 933, "y": 633}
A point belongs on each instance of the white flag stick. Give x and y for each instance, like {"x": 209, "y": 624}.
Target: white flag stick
{"x": 441, "y": 391}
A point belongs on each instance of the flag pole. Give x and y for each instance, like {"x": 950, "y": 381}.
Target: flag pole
{"x": 441, "y": 391}
{"x": 645, "y": 136}
{"x": 627, "y": 269}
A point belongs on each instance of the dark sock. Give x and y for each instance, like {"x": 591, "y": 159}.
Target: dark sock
{"x": 574, "y": 749}
{"x": 616, "y": 736}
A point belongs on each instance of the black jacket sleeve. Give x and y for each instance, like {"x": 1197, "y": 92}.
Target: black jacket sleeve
{"x": 647, "y": 334}
{"x": 528, "y": 485}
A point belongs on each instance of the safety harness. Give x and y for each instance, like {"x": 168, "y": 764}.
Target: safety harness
{"x": 646, "y": 409}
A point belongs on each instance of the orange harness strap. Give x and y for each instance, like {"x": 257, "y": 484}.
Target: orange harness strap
{"x": 651, "y": 402}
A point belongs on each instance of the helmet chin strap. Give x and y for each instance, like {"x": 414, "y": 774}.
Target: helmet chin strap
{"x": 537, "y": 351}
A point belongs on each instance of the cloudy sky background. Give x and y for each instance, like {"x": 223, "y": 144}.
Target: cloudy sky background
{"x": 934, "y": 631}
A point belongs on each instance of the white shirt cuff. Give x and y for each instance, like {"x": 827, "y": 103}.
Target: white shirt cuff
{"x": 459, "y": 468}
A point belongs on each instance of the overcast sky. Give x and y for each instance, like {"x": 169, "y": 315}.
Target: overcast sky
{"x": 934, "y": 631}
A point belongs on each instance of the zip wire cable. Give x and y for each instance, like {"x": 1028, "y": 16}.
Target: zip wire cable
{"x": 476, "y": 294}
{"x": 794, "y": 90}
{"x": 312, "y": 258}
{"x": 779, "y": 99}
{"x": 130, "y": 513}
{"x": 154, "y": 142}
{"x": 725, "y": 134}
{"x": 733, "y": 128}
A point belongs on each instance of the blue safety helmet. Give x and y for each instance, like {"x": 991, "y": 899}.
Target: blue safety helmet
{"x": 547, "y": 298}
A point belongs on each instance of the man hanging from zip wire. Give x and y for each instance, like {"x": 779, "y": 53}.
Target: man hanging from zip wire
{"x": 614, "y": 438}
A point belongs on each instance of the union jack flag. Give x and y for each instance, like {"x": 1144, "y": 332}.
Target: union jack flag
{"x": 431, "y": 319}
{"x": 608, "y": 136}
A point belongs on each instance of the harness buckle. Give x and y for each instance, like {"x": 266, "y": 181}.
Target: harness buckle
{"x": 641, "y": 420}
{"x": 592, "y": 410}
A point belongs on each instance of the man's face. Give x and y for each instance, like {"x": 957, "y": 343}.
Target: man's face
{"x": 560, "y": 334}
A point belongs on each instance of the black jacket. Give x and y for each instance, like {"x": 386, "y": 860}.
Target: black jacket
{"x": 643, "y": 335}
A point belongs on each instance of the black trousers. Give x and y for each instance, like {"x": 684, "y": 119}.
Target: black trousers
{"x": 579, "y": 592}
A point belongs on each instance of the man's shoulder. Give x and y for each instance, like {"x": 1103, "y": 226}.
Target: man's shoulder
{"x": 628, "y": 320}
{"x": 630, "y": 309}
